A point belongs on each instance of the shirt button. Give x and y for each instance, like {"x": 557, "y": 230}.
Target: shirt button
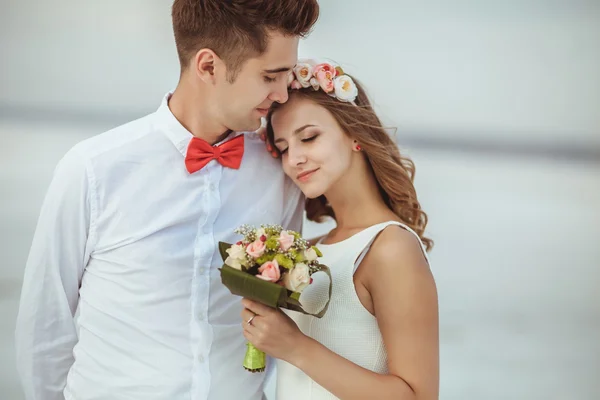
{"x": 200, "y": 358}
{"x": 201, "y": 271}
{"x": 200, "y": 316}
{"x": 212, "y": 187}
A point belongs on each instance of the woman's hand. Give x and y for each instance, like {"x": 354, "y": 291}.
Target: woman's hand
{"x": 262, "y": 134}
{"x": 273, "y": 332}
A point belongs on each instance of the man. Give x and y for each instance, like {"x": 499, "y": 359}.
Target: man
{"x": 122, "y": 298}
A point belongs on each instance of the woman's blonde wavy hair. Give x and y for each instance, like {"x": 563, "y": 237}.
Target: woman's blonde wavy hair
{"x": 394, "y": 173}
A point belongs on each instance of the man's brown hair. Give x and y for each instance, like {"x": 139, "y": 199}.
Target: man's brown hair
{"x": 237, "y": 30}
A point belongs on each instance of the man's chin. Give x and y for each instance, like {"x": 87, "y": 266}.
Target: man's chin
{"x": 256, "y": 125}
{"x": 250, "y": 126}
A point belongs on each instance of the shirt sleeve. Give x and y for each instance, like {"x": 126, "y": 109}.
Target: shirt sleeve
{"x": 45, "y": 329}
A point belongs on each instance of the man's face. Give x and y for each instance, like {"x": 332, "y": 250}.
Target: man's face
{"x": 260, "y": 82}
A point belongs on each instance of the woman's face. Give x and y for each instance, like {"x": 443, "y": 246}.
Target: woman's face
{"x": 315, "y": 151}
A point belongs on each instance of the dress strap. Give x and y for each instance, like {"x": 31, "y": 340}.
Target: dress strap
{"x": 374, "y": 231}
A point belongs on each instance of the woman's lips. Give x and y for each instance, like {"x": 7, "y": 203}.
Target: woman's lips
{"x": 305, "y": 176}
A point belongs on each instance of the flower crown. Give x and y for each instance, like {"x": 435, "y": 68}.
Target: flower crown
{"x": 331, "y": 79}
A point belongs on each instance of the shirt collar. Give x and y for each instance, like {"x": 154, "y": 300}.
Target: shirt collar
{"x": 177, "y": 133}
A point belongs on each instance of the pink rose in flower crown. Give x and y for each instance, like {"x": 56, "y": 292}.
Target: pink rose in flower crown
{"x": 286, "y": 240}
{"x": 256, "y": 248}
{"x": 325, "y": 81}
{"x": 325, "y": 67}
{"x": 269, "y": 271}
{"x": 325, "y": 73}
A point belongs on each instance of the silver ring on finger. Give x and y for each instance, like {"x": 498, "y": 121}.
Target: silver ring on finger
{"x": 249, "y": 322}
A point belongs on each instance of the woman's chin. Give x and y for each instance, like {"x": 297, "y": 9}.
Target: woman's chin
{"x": 311, "y": 189}
{"x": 311, "y": 194}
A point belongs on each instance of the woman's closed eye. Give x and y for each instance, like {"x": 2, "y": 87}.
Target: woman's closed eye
{"x": 305, "y": 140}
{"x": 309, "y": 139}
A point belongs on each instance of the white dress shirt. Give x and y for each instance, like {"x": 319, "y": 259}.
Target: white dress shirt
{"x": 122, "y": 297}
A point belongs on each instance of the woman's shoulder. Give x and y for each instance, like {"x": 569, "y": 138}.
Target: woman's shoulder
{"x": 395, "y": 245}
{"x": 395, "y": 266}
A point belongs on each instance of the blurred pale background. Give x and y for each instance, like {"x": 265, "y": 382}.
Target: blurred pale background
{"x": 498, "y": 103}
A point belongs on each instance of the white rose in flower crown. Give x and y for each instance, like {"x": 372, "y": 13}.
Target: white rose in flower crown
{"x": 344, "y": 88}
{"x": 298, "y": 278}
{"x": 303, "y": 72}
{"x": 310, "y": 254}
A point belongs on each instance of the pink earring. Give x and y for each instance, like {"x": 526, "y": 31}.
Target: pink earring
{"x": 358, "y": 148}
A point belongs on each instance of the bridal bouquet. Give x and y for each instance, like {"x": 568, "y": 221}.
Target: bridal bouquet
{"x": 272, "y": 266}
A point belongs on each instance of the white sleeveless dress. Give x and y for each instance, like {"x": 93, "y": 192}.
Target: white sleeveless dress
{"x": 347, "y": 328}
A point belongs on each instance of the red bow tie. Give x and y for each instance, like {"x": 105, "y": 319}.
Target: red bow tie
{"x": 228, "y": 154}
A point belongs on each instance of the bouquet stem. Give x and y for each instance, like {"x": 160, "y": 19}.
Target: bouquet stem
{"x": 254, "y": 360}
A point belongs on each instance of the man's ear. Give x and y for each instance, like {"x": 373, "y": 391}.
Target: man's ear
{"x": 204, "y": 65}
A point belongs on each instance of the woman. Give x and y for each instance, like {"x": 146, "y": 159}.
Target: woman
{"x": 379, "y": 337}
